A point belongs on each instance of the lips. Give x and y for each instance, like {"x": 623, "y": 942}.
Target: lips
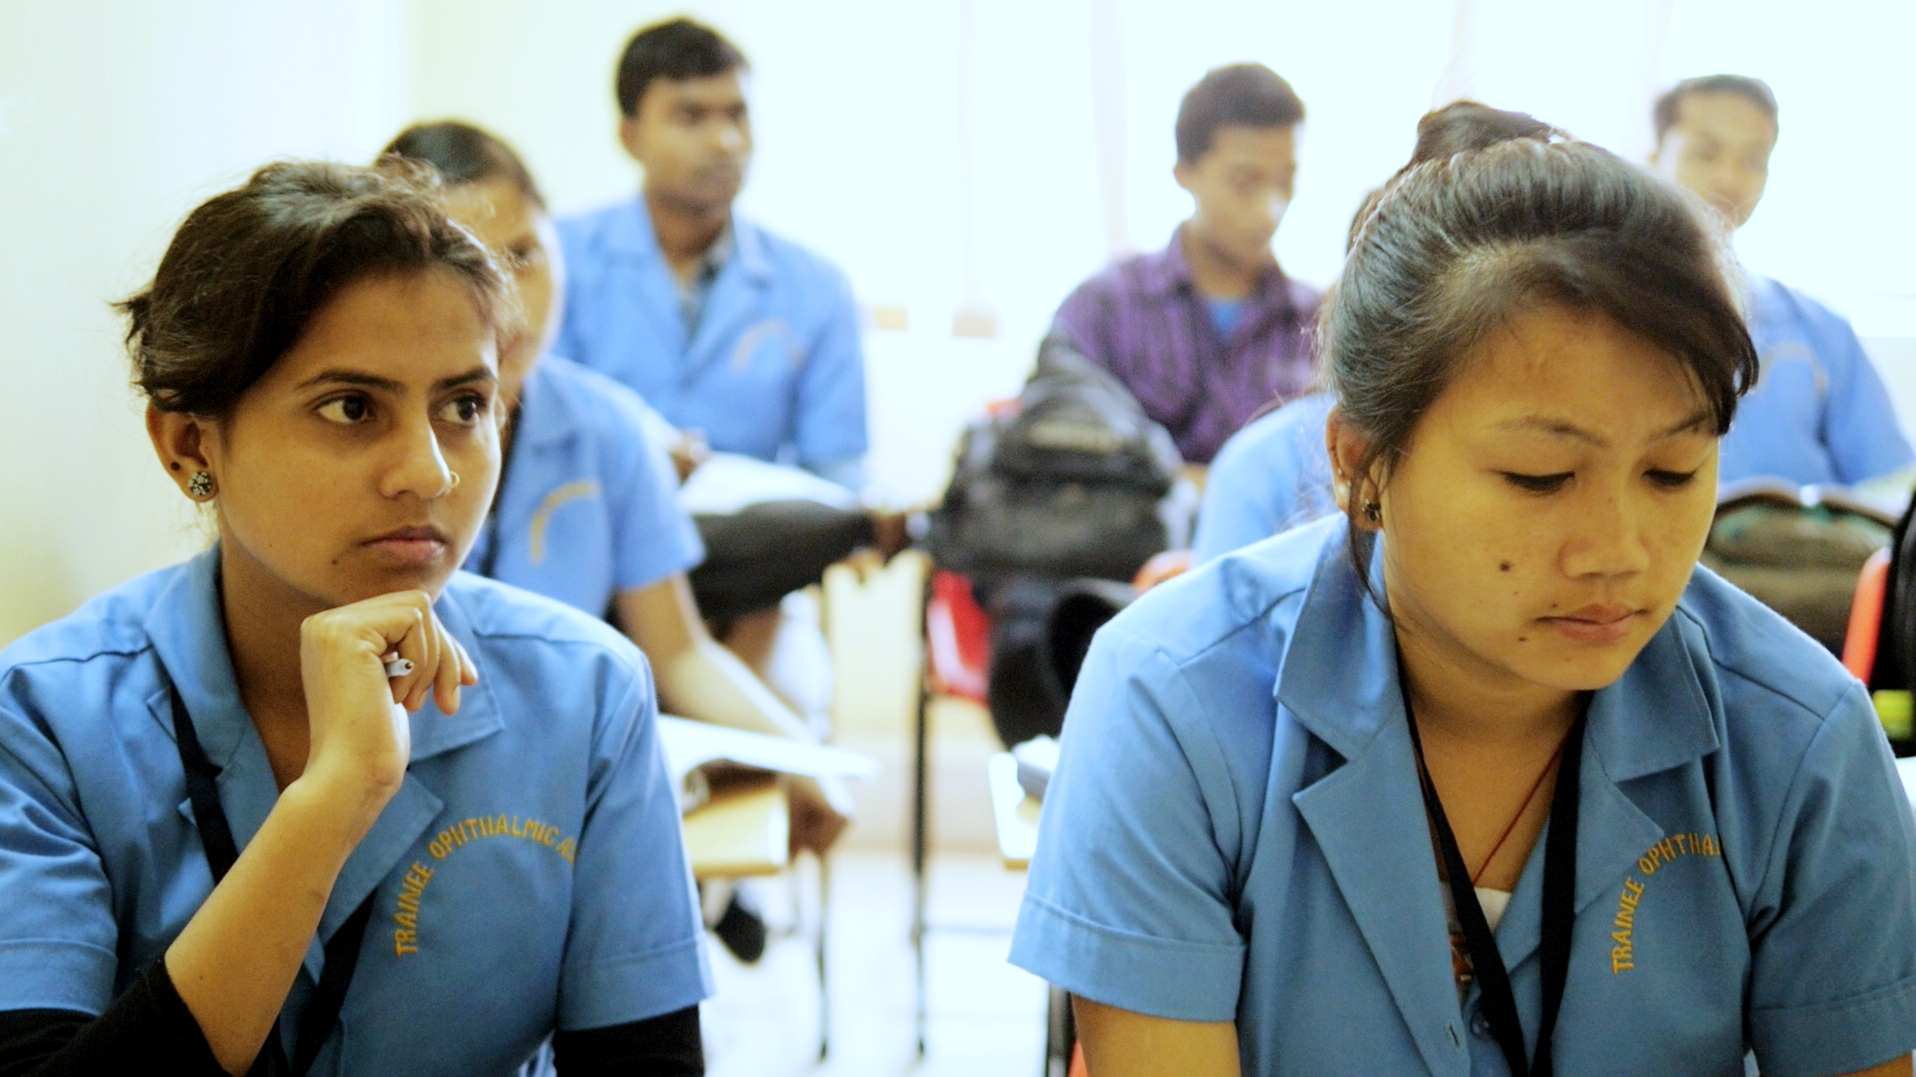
{"x": 1596, "y": 623}
{"x": 411, "y": 545}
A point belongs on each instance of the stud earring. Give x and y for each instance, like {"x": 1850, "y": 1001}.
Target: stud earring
{"x": 200, "y": 486}
{"x": 1373, "y": 511}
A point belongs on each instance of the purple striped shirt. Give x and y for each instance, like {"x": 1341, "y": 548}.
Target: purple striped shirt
{"x": 1144, "y": 321}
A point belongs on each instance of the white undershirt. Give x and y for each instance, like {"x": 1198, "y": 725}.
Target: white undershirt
{"x": 1493, "y": 903}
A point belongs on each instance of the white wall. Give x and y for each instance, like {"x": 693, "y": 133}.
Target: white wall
{"x": 115, "y": 119}
{"x": 874, "y": 118}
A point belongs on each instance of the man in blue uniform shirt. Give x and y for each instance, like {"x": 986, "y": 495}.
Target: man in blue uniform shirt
{"x": 1270, "y": 476}
{"x": 731, "y": 332}
{"x": 1820, "y": 413}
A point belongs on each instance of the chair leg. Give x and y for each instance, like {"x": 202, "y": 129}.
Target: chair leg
{"x": 918, "y": 826}
{"x": 1060, "y": 1032}
{"x": 824, "y": 982}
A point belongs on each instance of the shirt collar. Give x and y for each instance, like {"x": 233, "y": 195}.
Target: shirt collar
{"x": 188, "y": 629}
{"x": 1168, "y": 273}
{"x": 720, "y": 252}
{"x": 631, "y": 233}
{"x": 1339, "y": 677}
{"x": 542, "y": 420}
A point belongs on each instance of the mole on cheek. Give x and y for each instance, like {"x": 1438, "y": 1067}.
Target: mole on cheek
{"x": 1503, "y": 566}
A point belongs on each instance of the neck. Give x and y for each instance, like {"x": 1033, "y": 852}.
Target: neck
{"x": 685, "y": 231}
{"x": 1463, "y": 701}
{"x": 263, "y": 618}
{"x": 1215, "y": 272}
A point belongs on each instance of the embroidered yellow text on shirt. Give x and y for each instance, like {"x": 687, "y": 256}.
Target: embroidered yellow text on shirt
{"x": 501, "y": 826}
{"x": 411, "y": 889}
{"x": 1623, "y": 953}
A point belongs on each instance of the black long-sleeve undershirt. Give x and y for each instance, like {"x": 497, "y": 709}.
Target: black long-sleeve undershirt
{"x": 149, "y": 1025}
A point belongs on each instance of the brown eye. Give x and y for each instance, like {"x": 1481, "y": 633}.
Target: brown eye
{"x": 464, "y": 410}
{"x": 345, "y": 409}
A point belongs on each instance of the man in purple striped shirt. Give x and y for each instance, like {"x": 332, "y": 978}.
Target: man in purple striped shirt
{"x": 1209, "y": 330}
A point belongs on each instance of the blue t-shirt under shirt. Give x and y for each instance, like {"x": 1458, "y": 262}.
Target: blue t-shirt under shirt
{"x": 1225, "y": 314}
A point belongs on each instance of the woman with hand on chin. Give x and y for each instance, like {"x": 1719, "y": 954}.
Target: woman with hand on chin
{"x": 586, "y": 511}
{"x": 307, "y": 802}
{"x": 1486, "y": 775}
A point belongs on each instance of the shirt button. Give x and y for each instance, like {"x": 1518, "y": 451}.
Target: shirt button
{"x": 1480, "y": 1025}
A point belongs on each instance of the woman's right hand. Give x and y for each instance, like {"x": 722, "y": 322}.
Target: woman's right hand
{"x": 357, "y": 717}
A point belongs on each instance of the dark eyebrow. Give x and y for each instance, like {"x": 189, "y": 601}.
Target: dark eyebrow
{"x": 352, "y": 377}
{"x": 1702, "y": 418}
{"x": 1564, "y": 428}
{"x": 480, "y": 373}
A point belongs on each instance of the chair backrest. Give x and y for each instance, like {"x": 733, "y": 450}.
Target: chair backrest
{"x": 957, "y": 637}
{"x": 1866, "y": 616}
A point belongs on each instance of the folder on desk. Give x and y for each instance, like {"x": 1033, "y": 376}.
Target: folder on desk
{"x": 693, "y": 748}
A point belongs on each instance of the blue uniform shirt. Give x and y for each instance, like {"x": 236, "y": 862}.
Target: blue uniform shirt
{"x": 1819, "y": 412}
{"x": 773, "y": 369}
{"x": 1235, "y": 833}
{"x": 529, "y": 874}
{"x": 1273, "y": 474}
{"x": 588, "y": 508}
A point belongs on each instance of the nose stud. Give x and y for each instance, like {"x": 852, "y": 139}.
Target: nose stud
{"x": 454, "y": 484}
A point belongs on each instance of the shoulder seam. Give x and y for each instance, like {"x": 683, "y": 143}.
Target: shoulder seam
{"x": 1717, "y": 661}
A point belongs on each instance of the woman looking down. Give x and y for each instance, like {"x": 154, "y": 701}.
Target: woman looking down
{"x": 1486, "y": 775}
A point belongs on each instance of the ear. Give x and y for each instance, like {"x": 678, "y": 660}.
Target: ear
{"x": 629, "y": 137}
{"x": 1183, "y": 172}
{"x": 1655, "y": 159}
{"x": 179, "y": 440}
{"x": 1347, "y": 447}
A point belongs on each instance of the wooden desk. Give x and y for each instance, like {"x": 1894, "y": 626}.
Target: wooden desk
{"x": 743, "y": 830}
{"x": 1013, "y": 814}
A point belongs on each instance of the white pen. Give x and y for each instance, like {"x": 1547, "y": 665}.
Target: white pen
{"x": 399, "y": 667}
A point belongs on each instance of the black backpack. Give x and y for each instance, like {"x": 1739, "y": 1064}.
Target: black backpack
{"x": 1040, "y": 631}
{"x": 1895, "y": 666}
{"x": 1075, "y": 481}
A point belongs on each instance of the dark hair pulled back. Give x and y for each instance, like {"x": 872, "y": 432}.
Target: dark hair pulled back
{"x": 464, "y": 154}
{"x": 249, "y": 270}
{"x": 1458, "y": 127}
{"x": 1460, "y": 244}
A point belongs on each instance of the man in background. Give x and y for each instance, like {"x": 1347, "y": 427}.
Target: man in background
{"x": 1209, "y": 330}
{"x": 1819, "y": 412}
{"x": 732, "y": 333}
{"x": 744, "y": 342}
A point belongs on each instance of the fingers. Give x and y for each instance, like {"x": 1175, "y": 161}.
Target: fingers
{"x": 401, "y": 635}
{"x": 413, "y": 646}
{"x": 439, "y": 665}
{"x": 453, "y": 671}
